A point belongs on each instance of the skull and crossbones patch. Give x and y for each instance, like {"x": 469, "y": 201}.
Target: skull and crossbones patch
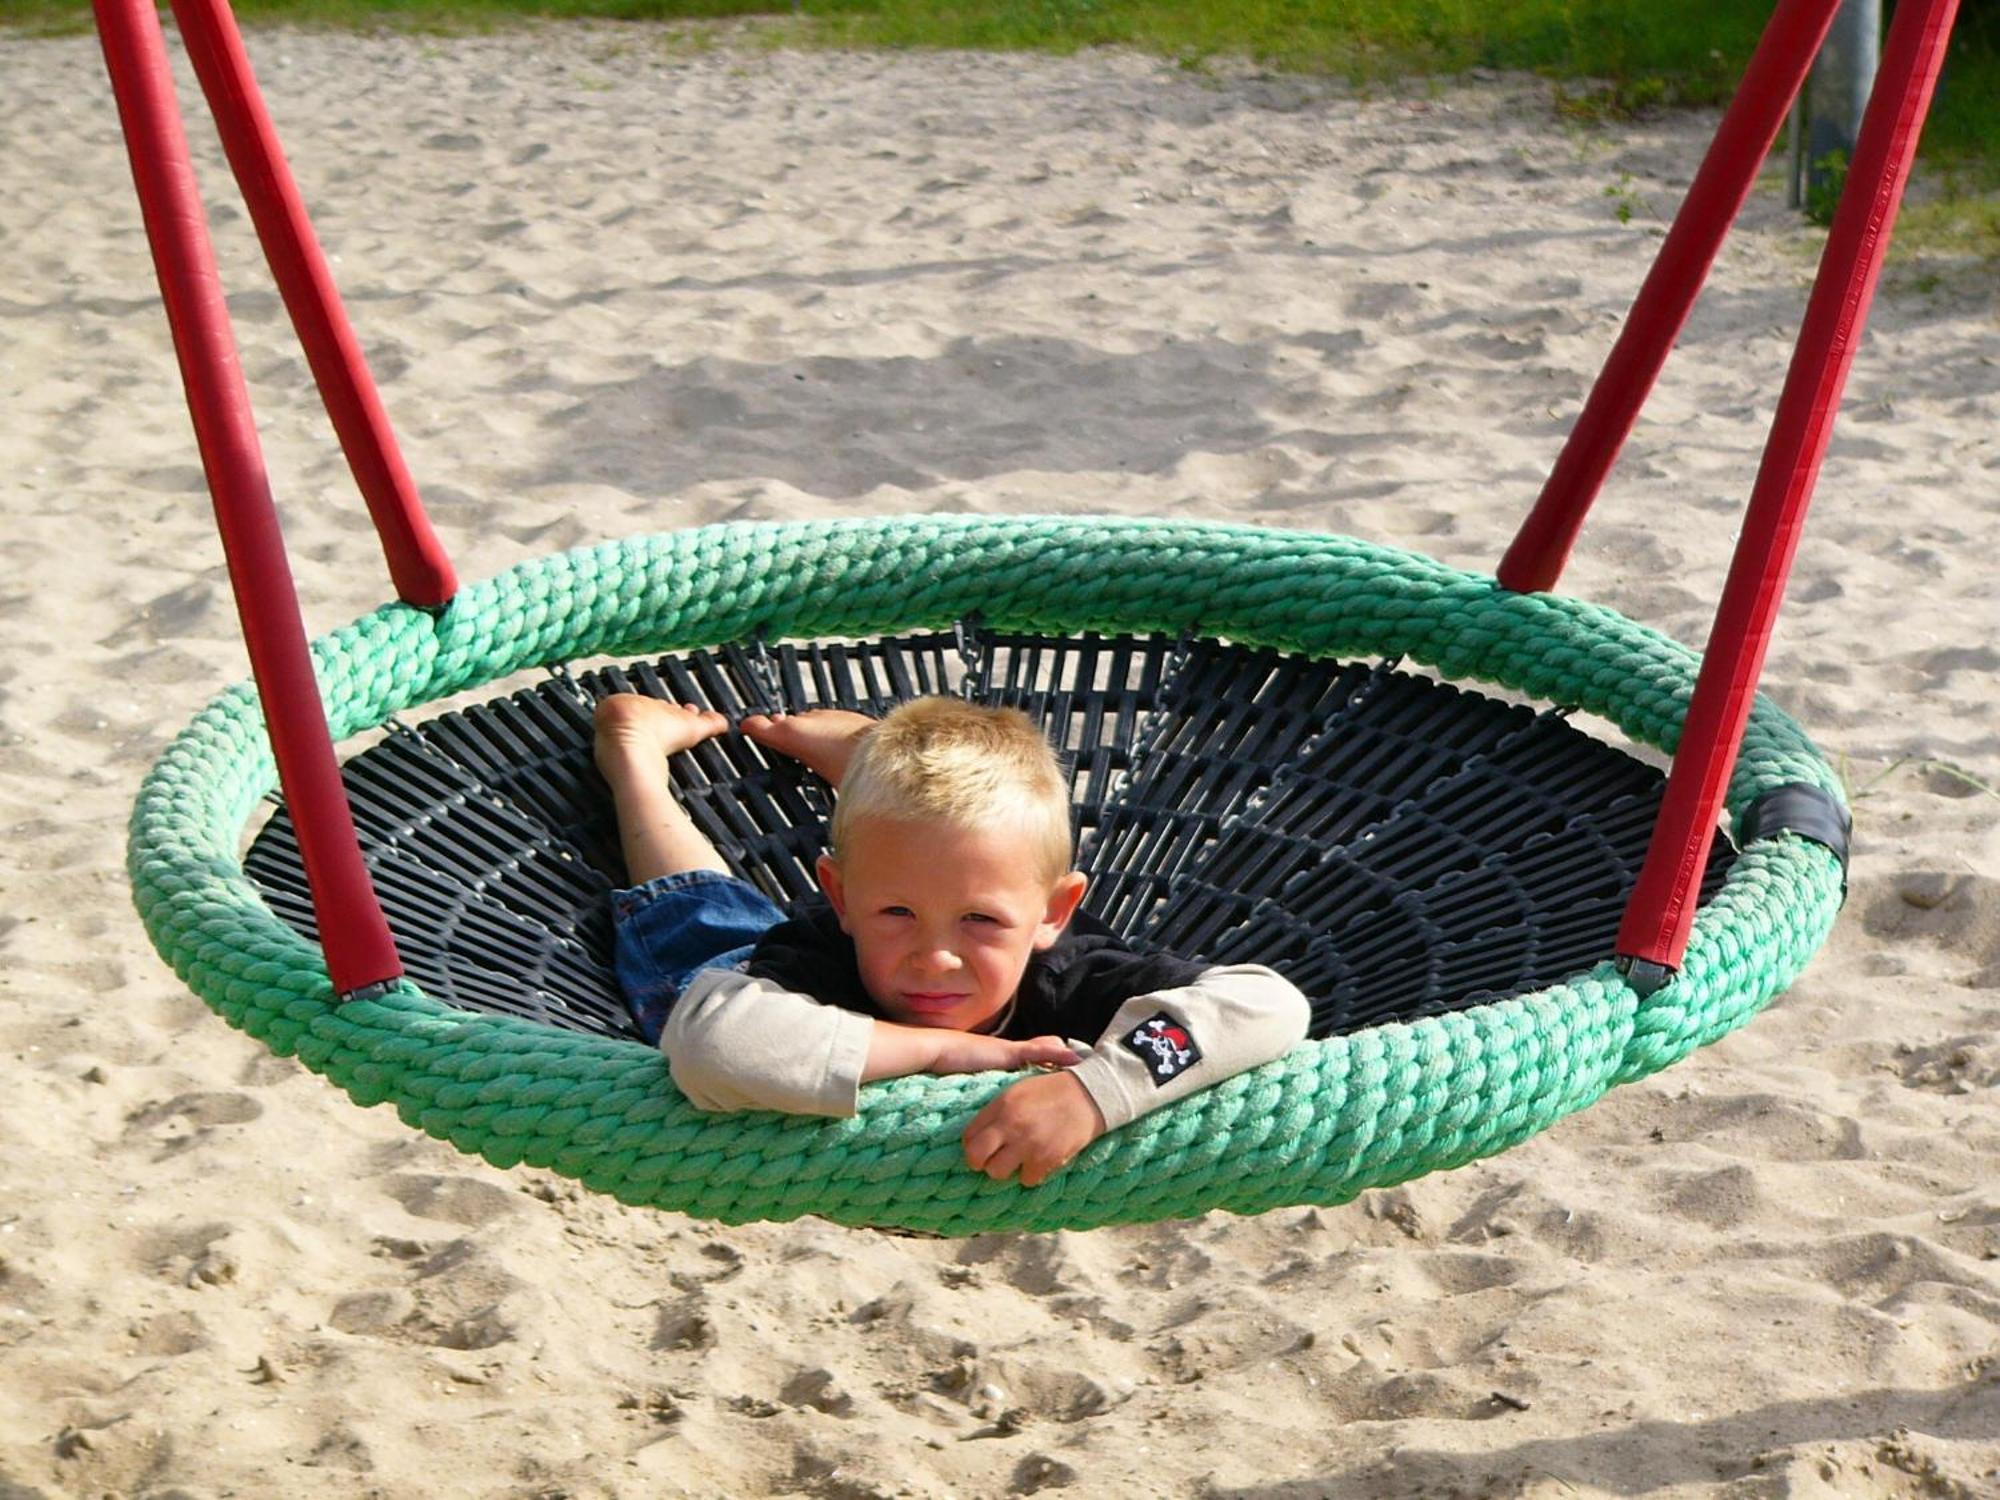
{"x": 1165, "y": 1046}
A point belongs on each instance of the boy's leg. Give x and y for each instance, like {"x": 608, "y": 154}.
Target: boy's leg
{"x": 634, "y": 736}
{"x": 823, "y": 739}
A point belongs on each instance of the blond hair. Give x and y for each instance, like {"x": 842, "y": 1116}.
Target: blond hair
{"x": 964, "y": 765}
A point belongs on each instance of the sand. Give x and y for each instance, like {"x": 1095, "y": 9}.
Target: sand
{"x": 615, "y": 281}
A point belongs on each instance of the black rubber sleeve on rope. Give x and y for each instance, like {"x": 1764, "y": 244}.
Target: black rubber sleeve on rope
{"x": 1797, "y": 807}
{"x": 1645, "y": 976}
{"x": 1802, "y": 809}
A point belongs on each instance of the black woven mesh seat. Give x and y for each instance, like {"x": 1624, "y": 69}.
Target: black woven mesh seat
{"x": 1397, "y": 846}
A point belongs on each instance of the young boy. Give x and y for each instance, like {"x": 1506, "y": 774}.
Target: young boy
{"x": 950, "y": 941}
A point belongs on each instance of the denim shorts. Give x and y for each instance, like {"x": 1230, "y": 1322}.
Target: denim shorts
{"x": 670, "y": 929}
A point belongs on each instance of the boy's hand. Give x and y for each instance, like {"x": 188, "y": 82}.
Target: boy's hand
{"x": 965, "y": 1052}
{"x": 897, "y": 1051}
{"x": 1034, "y": 1127}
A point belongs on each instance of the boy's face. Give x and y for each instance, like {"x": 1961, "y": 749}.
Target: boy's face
{"x": 944, "y": 919}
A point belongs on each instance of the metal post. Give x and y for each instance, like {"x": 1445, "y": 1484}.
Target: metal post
{"x": 1827, "y": 122}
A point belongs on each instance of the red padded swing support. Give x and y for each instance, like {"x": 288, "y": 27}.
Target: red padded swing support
{"x": 360, "y": 952}
{"x": 418, "y": 567}
{"x": 1661, "y": 912}
{"x": 1784, "y": 55}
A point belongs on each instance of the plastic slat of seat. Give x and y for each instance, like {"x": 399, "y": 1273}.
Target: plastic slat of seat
{"x": 1409, "y": 732}
{"x": 697, "y": 677}
{"x": 1223, "y": 925}
{"x": 1399, "y": 735}
{"x": 1398, "y": 846}
{"x": 274, "y": 864}
{"x": 749, "y": 672}
{"x": 1090, "y": 696}
{"x": 444, "y": 818}
{"x": 872, "y": 677}
{"x": 479, "y": 893}
{"x": 789, "y": 804}
{"x": 1545, "y": 771}
{"x": 1534, "y": 910}
{"x": 837, "y": 681}
{"x": 1244, "y": 743}
{"x": 1506, "y": 892}
{"x": 487, "y": 957}
{"x": 1225, "y": 724}
{"x": 533, "y": 748}
{"x": 1057, "y": 683}
{"x": 1268, "y": 934}
{"x": 562, "y": 785}
{"x": 1117, "y": 684}
{"x": 861, "y": 686}
{"x": 1390, "y": 860}
{"x": 925, "y": 667}
{"x": 1138, "y": 864}
{"x": 541, "y": 952}
{"x": 1452, "y": 822}
{"x": 404, "y": 795}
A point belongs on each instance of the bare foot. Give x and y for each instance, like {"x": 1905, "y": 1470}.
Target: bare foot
{"x": 634, "y": 731}
{"x": 823, "y": 739}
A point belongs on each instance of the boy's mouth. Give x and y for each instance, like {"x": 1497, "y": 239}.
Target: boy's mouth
{"x": 931, "y": 1001}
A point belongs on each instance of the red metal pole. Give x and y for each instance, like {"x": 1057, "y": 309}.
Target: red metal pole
{"x": 359, "y": 950}
{"x": 1779, "y": 66}
{"x": 418, "y": 567}
{"x": 1661, "y": 911}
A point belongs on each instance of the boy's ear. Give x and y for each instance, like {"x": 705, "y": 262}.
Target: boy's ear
{"x": 829, "y": 881}
{"x": 1063, "y": 902}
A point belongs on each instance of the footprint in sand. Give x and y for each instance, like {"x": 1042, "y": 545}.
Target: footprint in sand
{"x": 200, "y": 1110}
{"x": 169, "y": 1334}
{"x": 684, "y": 1325}
{"x": 1956, "y": 1065}
{"x": 451, "y": 1200}
{"x": 371, "y": 1313}
{"x": 179, "y": 1123}
{"x": 1955, "y": 911}
{"x": 193, "y": 1256}
{"x": 456, "y": 1298}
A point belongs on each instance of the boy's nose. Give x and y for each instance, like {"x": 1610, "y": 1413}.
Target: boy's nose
{"x": 937, "y": 960}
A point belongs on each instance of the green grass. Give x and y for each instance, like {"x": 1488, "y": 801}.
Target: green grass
{"x": 1692, "y": 51}
{"x": 1956, "y": 209}
{"x": 1610, "y": 58}
{"x": 447, "y": 17}
{"x": 1607, "y": 39}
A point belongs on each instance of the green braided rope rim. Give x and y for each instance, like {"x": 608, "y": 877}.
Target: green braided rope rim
{"x": 1319, "y": 1125}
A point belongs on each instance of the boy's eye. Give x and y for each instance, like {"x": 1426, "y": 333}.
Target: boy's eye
{"x": 980, "y": 916}
{"x": 896, "y": 911}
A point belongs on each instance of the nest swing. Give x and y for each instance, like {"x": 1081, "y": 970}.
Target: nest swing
{"x": 1497, "y": 916}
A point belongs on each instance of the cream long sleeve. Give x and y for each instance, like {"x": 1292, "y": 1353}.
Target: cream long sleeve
{"x": 735, "y": 1042}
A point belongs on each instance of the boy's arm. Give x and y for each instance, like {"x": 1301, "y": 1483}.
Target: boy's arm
{"x": 1171, "y": 1043}
{"x": 736, "y": 1042}
{"x": 1158, "y": 1048}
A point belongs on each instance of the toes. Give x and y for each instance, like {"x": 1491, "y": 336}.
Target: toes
{"x": 670, "y": 726}
{"x": 619, "y": 710}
